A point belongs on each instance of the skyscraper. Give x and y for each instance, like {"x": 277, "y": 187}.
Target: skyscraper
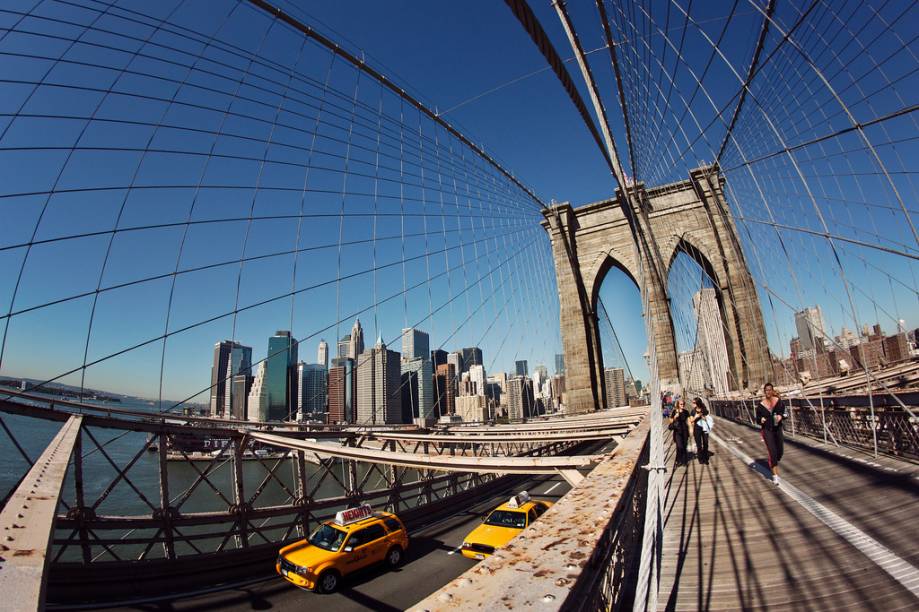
{"x": 559, "y": 363}
{"x": 445, "y": 390}
{"x": 456, "y": 360}
{"x": 710, "y": 339}
{"x": 239, "y": 404}
{"x": 438, "y": 357}
{"x": 416, "y": 344}
{"x": 379, "y": 380}
{"x": 615, "y": 387}
{"x": 322, "y": 354}
{"x": 230, "y": 358}
{"x": 521, "y": 368}
{"x": 693, "y": 371}
{"x": 809, "y": 323}
{"x": 344, "y": 347}
{"x": 520, "y": 398}
{"x": 342, "y": 391}
{"x": 312, "y": 390}
{"x": 280, "y": 376}
{"x": 477, "y": 378}
{"x": 357, "y": 340}
{"x": 239, "y": 363}
{"x": 420, "y": 374}
{"x": 471, "y": 356}
{"x": 258, "y": 396}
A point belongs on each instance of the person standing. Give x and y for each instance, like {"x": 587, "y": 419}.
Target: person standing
{"x": 679, "y": 424}
{"x": 702, "y": 427}
{"x": 770, "y": 415}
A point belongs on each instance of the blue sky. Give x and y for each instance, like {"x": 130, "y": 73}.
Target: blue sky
{"x": 457, "y": 248}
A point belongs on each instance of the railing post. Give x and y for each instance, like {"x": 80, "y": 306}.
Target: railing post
{"x": 165, "y": 508}
{"x": 239, "y": 494}
{"x": 79, "y": 512}
{"x": 302, "y": 490}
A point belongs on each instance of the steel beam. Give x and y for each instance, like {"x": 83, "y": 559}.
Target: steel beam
{"x": 577, "y": 436}
{"x": 27, "y": 522}
{"x": 445, "y": 463}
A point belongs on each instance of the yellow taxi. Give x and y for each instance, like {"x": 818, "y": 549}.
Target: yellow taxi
{"x": 354, "y": 539}
{"x": 502, "y": 525}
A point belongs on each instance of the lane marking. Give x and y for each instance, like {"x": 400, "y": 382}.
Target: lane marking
{"x": 899, "y": 569}
{"x": 552, "y": 488}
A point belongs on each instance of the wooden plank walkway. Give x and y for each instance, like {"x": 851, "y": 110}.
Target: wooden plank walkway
{"x": 733, "y": 541}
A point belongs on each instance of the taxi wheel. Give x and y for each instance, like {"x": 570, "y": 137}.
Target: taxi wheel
{"x": 394, "y": 556}
{"x": 328, "y": 581}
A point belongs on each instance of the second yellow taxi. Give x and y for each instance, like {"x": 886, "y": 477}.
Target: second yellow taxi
{"x": 502, "y": 525}
{"x": 355, "y": 539}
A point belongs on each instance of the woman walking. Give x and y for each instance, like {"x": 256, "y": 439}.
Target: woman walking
{"x": 679, "y": 425}
{"x": 702, "y": 426}
{"x": 770, "y": 414}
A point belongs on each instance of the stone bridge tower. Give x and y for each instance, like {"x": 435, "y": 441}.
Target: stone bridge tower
{"x": 691, "y": 216}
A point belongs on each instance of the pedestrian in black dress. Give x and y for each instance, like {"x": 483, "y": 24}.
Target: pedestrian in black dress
{"x": 679, "y": 424}
{"x": 702, "y": 426}
{"x": 770, "y": 415}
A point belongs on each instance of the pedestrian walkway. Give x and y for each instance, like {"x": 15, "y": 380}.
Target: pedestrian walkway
{"x": 733, "y": 540}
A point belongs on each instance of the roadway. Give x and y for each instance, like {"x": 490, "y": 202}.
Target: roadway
{"x": 433, "y": 560}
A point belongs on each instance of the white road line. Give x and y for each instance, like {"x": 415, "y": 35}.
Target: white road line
{"x": 900, "y": 570}
{"x": 552, "y": 488}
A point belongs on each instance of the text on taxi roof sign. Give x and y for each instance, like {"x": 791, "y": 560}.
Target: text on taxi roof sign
{"x": 352, "y": 515}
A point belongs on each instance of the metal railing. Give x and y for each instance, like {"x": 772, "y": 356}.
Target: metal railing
{"x": 843, "y": 420}
{"x": 132, "y": 501}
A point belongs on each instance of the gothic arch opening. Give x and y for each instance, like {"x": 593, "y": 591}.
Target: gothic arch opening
{"x": 698, "y": 311}
{"x": 622, "y": 340}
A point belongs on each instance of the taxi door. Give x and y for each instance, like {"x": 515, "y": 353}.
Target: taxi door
{"x": 364, "y": 544}
{"x": 378, "y": 543}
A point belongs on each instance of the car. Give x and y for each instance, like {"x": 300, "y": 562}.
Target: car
{"x": 502, "y": 525}
{"x": 356, "y": 538}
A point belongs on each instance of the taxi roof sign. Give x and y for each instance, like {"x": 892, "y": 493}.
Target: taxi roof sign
{"x": 518, "y": 500}
{"x": 353, "y": 515}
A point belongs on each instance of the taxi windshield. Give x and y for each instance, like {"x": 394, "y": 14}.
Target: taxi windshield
{"x": 506, "y": 518}
{"x": 328, "y": 538}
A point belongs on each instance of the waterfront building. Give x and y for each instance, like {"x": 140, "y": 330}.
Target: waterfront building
{"x": 445, "y": 390}
{"x": 312, "y": 390}
{"x": 559, "y": 363}
{"x": 239, "y": 405}
{"x": 322, "y": 354}
{"x": 379, "y": 380}
{"x": 710, "y": 339}
{"x": 281, "y": 376}
{"x": 521, "y": 368}
{"x": 230, "y": 358}
{"x": 615, "y": 387}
